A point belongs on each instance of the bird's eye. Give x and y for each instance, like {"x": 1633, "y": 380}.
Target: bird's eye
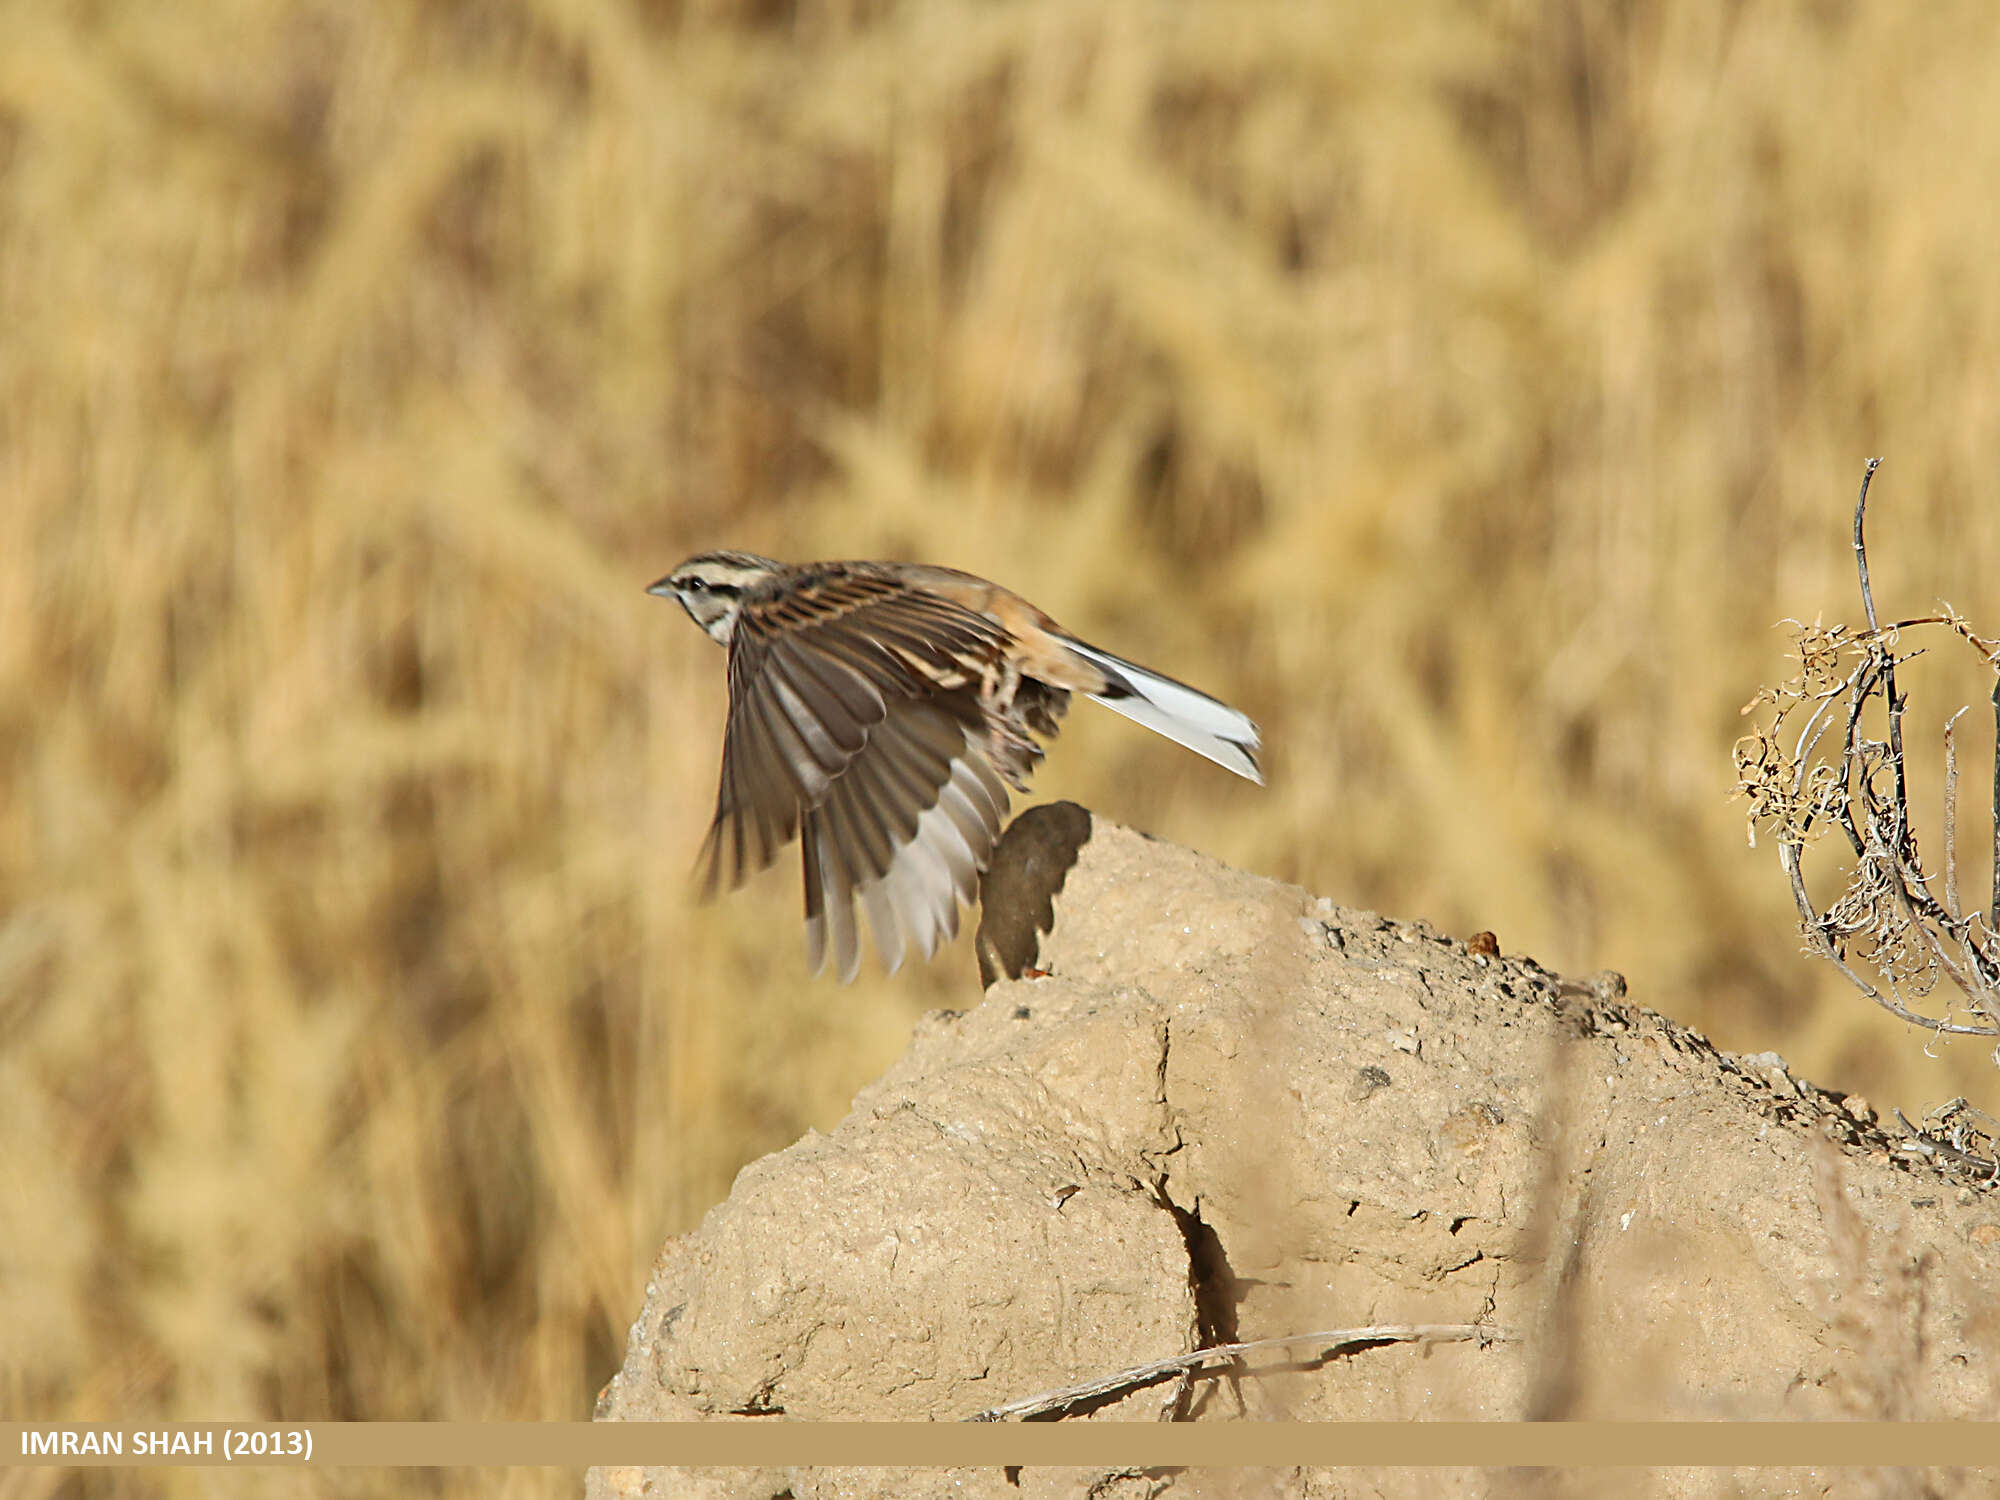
{"x": 695, "y": 585}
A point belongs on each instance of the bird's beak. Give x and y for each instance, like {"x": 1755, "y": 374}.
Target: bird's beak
{"x": 661, "y": 588}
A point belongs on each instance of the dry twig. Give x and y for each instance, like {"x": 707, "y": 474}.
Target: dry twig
{"x": 1962, "y": 1136}
{"x": 1887, "y": 912}
{"x": 1330, "y": 1342}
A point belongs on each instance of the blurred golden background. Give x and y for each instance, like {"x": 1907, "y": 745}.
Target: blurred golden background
{"x": 1463, "y": 390}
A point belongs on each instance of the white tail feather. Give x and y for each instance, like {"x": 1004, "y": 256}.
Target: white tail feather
{"x": 1187, "y": 717}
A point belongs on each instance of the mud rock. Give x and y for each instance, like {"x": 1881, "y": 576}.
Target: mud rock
{"x": 1216, "y": 1109}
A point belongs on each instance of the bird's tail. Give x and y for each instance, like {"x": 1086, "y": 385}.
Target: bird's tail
{"x": 1187, "y": 717}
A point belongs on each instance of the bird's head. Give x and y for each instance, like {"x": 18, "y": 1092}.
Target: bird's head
{"x": 711, "y": 588}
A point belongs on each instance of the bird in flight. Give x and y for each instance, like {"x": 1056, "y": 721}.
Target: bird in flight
{"x": 878, "y": 712}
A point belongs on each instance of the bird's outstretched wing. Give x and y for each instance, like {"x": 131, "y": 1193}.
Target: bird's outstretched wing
{"x": 855, "y": 724}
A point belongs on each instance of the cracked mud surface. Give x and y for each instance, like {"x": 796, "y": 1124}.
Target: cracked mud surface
{"x": 1232, "y": 1111}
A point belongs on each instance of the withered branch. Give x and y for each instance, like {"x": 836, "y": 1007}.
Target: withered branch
{"x": 1888, "y": 918}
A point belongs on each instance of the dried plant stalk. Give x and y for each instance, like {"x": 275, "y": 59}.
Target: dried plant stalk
{"x": 1801, "y": 784}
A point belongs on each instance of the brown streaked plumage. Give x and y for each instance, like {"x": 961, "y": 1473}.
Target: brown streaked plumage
{"x": 878, "y": 712}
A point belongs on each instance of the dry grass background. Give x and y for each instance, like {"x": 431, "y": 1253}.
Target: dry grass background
{"x": 1463, "y": 389}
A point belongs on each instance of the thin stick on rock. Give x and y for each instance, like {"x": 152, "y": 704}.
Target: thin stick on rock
{"x": 1331, "y": 1341}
